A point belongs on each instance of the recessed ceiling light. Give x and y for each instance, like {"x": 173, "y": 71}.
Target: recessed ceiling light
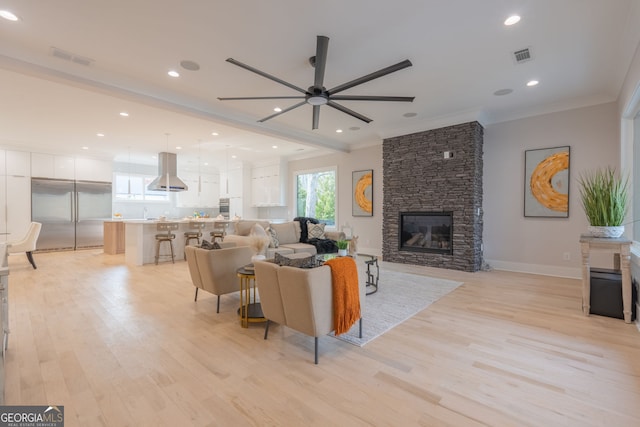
{"x": 409, "y": 115}
{"x": 178, "y": 148}
{"x": 99, "y": 134}
{"x": 532, "y": 83}
{"x": 174, "y": 73}
{"x": 274, "y": 146}
{"x": 233, "y": 156}
{"x": 214, "y": 133}
{"x": 277, "y": 109}
{"x": 502, "y": 92}
{"x": 513, "y": 19}
{"x": 8, "y": 15}
{"x": 206, "y": 163}
{"x": 124, "y": 114}
{"x": 190, "y": 65}
{"x": 338, "y": 130}
{"x": 85, "y": 148}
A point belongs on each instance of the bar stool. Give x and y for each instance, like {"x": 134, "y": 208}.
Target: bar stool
{"x": 194, "y": 232}
{"x": 165, "y": 235}
{"x": 218, "y": 232}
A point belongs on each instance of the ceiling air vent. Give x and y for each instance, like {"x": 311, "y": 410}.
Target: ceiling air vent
{"x": 522, "y": 55}
{"x": 72, "y": 57}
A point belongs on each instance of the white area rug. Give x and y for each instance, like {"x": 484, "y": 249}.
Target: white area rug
{"x": 400, "y": 296}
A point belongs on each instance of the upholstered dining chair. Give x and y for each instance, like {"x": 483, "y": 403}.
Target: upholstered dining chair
{"x": 27, "y": 244}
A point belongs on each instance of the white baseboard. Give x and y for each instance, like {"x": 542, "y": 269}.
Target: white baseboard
{"x": 545, "y": 270}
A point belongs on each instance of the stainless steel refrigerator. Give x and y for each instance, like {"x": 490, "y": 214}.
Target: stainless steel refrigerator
{"x": 72, "y": 213}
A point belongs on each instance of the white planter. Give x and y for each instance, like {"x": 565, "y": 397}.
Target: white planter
{"x": 342, "y": 252}
{"x": 606, "y": 231}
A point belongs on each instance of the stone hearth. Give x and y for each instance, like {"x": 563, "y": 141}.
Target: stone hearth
{"x": 420, "y": 176}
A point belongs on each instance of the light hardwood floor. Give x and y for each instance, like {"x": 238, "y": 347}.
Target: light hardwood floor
{"x": 121, "y": 346}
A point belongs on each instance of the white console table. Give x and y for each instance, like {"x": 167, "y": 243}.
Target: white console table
{"x": 621, "y": 248}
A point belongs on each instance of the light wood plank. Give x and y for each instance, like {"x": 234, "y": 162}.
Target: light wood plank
{"x": 128, "y": 346}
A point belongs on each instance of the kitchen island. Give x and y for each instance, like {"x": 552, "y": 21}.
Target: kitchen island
{"x": 140, "y": 238}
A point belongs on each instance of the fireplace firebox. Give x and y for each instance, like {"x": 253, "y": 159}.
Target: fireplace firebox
{"x": 426, "y": 232}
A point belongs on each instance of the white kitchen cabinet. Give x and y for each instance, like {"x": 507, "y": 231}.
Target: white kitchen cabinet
{"x": 18, "y": 163}
{"x": 268, "y": 185}
{"x": 64, "y": 167}
{"x": 93, "y": 170}
{"x": 209, "y": 194}
{"x": 52, "y": 166}
{"x": 19, "y": 210}
{"x": 42, "y": 165}
{"x": 3, "y": 208}
{"x": 235, "y": 207}
{"x": 231, "y": 183}
{"x": 16, "y": 200}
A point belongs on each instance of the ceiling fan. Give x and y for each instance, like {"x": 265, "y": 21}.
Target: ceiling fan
{"x": 317, "y": 94}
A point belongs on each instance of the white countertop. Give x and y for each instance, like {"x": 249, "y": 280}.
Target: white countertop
{"x": 179, "y": 220}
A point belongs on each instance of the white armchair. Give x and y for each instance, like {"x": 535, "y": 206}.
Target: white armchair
{"x": 215, "y": 270}
{"x": 27, "y": 244}
{"x": 299, "y": 298}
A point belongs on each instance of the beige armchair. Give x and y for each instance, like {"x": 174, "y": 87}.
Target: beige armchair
{"x": 27, "y": 244}
{"x": 300, "y": 298}
{"x": 215, "y": 270}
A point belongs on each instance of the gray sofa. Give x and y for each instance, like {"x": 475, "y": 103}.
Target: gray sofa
{"x": 287, "y": 234}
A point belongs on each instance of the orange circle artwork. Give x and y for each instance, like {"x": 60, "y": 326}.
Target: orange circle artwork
{"x": 541, "y": 182}
{"x": 364, "y": 182}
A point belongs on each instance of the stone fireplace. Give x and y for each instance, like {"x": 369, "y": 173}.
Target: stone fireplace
{"x": 429, "y": 177}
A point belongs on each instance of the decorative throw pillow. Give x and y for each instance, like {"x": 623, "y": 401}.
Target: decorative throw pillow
{"x": 207, "y": 245}
{"x": 307, "y": 262}
{"x": 315, "y": 231}
{"x": 274, "y": 237}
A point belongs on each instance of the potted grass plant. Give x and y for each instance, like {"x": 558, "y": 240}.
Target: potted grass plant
{"x": 343, "y": 245}
{"x": 605, "y": 201}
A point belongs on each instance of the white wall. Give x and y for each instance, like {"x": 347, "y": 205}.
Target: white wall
{"x": 537, "y": 245}
{"x": 369, "y": 229}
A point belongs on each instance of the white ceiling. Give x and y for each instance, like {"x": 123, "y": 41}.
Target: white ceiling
{"x": 460, "y": 50}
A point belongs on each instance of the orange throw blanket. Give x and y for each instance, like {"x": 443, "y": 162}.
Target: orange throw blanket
{"x": 346, "y": 293}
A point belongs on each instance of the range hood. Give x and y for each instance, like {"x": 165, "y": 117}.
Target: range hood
{"x": 167, "y": 174}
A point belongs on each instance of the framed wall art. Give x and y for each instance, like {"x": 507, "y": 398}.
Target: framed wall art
{"x": 362, "y": 203}
{"x": 546, "y": 182}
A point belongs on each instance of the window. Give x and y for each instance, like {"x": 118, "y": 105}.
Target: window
{"x": 134, "y": 187}
{"x": 316, "y": 195}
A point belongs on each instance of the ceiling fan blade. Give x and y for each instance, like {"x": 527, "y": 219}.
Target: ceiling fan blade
{"x": 261, "y": 97}
{"x": 316, "y": 117}
{"x": 376, "y": 74}
{"x": 263, "y": 74}
{"x": 373, "y": 98}
{"x": 349, "y": 112}
{"x": 299, "y": 104}
{"x": 321, "y": 60}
